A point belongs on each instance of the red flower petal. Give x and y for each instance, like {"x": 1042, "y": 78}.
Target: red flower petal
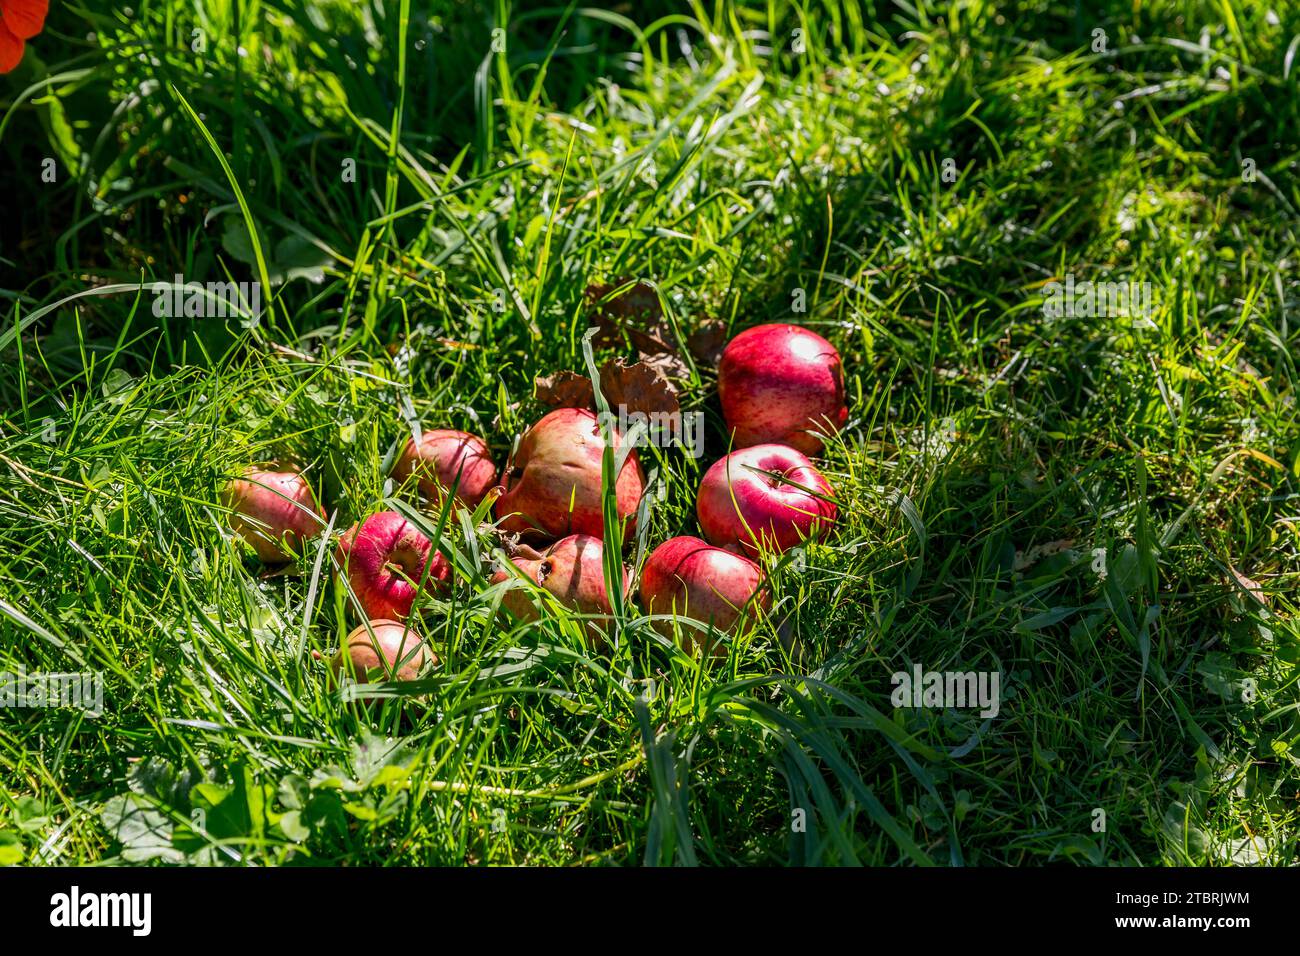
{"x": 25, "y": 18}
{"x": 11, "y": 49}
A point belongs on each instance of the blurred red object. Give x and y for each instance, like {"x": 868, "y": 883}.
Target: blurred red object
{"x": 20, "y": 20}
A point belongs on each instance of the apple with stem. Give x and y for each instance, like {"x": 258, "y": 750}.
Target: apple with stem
{"x": 781, "y": 383}
{"x": 689, "y": 578}
{"x": 768, "y": 495}
{"x": 552, "y": 483}
{"x": 573, "y": 571}
{"x": 275, "y": 512}
{"x": 385, "y": 558}
{"x": 445, "y": 459}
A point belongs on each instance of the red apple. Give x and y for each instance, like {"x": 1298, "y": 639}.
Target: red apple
{"x": 552, "y": 484}
{"x": 781, "y": 383}
{"x": 687, "y": 577}
{"x": 274, "y": 511}
{"x": 767, "y": 494}
{"x": 445, "y": 459}
{"x": 395, "y": 652}
{"x": 384, "y": 558}
{"x": 573, "y": 570}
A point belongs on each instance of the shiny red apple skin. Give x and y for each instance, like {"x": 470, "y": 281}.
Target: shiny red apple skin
{"x": 687, "y": 577}
{"x": 781, "y": 384}
{"x": 274, "y": 511}
{"x": 370, "y": 554}
{"x": 404, "y": 653}
{"x": 573, "y": 571}
{"x": 738, "y": 507}
{"x": 552, "y": 483}
{"x": 444, "y": 455}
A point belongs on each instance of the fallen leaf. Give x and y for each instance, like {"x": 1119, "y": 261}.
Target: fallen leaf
{"x": 707, "y": 342}
{"x": 634, "y": 314}
{"x": 638, "y": 388}
{"x": 565, "y": 390}
{"x": 1253, "y": 588}
{"x": 669, "y": 364}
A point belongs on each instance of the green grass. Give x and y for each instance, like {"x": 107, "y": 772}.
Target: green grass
{"x": 697, "y": 149}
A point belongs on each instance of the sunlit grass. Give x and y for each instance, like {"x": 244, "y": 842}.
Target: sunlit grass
{"x": 904, "y": 179}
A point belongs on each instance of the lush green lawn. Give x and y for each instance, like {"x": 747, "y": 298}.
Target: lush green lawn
{"x": 1103, "y": 509}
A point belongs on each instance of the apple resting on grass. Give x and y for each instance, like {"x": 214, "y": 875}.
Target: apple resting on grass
{"x": 572, "y": 570}
{"x": 444, "y": 459}
{"x": 404, "y": 653}
{"x": 690, "y": 578}
{"x": 384, "y": 558}
{"x": 274, "y": 511}
{"x": 766, "y": 493}
{"x": 552, "y": 484}
{"x": 781, "y": 383}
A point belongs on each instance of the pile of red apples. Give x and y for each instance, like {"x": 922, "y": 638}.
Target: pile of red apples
{"x": 781, "y": 389}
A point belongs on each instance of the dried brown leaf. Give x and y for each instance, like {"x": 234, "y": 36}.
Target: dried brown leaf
{"x": 669, "y": 364}
{"x": 634, "y": 315}
{"x": 638, "y": 388}
{"x": 565, "y": 390}
{"x": 1253, "y": 588}
{"x": 707, "y": 342}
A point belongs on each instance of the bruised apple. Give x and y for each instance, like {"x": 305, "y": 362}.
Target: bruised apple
{"x": 444, "y": 459}
{"x": 552, "y": 484}
{"x": 781, "y": 383}
{"x": 384, "y": 559}
{"x": 768, "y": 494}
{"x": 274, "y": 511}
{"x": 573, "y": 571}
{"x": 690, "y": 578}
